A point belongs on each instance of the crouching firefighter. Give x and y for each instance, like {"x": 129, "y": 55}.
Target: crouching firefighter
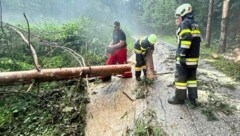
{"x": 141, "y": 47}
{"x": 187, "y": 55}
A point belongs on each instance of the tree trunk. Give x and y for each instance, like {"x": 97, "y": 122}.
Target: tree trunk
{"x": 209, "y": 23}
{"x": 223, "y": 38}
{"x": 181, "y": 2}
{"x": 149, "y": 64}
{"x": 8, "y": 78}
{"x": 236, "y": 29}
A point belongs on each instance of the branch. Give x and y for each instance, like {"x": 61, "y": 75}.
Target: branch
{"x": 31, "y": 48}
{"x": 34, "y": 55}
{"x": 70, "y": 51}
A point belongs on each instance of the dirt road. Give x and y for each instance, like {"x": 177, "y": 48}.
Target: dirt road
{"x": 113, "y": 112}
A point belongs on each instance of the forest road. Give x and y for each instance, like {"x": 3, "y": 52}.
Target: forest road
{"x": 113, "y": 109}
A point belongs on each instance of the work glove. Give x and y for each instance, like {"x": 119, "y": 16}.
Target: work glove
{"x": 182, "y": 61}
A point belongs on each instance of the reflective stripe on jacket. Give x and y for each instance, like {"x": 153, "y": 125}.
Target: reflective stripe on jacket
{"x": 189, "y": 38}
{"x": 141, "y": 45}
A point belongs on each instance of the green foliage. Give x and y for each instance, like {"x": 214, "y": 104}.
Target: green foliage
{"x": 130, "y": 42}
{"x": 56, "y": 61}
{"x": 146, "y": 125}
{"x": 141, "y": 91}
{"x": 94, "y": 59}
{"x": 159, "y": 15}
{"x": 229, "y": 68}
{"x": 169, "y": 39}
{"x": 208, "y": 112}
{"x": 55, "y": 112}
{"x": 216, "y": 104}
{"x": 147, "y": 82}
{"x": 83, "y": 35}
{"x": 226, "y": 66}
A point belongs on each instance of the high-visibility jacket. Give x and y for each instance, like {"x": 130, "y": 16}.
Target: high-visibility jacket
{"x": 142, "y": 45}
{"x": 189, "y": 38}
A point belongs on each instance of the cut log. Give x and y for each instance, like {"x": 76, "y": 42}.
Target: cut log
{"x": 8, "y": 78}
{"x": 149, "y": 64}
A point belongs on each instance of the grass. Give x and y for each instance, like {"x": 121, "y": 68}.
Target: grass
{"x": 227, "y": 67}
{"x": 169, "y": 39}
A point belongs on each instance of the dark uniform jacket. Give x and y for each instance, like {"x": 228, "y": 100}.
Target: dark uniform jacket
{"x": 142, "y": 45}
{"x": 189, "y": 38}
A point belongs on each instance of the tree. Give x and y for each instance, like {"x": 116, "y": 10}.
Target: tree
{"x": 180, "y": 1}
{"x": 209, "y": 23}
{"x": 234, "y": 23}
{"x": 223, "y": 38}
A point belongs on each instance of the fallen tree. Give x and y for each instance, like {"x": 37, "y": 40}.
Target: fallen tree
{"x": 9, "y": 78}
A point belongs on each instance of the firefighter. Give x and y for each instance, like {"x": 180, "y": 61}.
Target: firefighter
{"x": 187, "y": 54}
{"x": 141, "y": 46}
{"x": 117, "y": 50}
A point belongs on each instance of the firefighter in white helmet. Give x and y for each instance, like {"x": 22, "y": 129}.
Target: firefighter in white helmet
{"x": 187, "y": 54}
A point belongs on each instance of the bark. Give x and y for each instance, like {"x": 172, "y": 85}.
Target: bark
{"x": 235, "y": 28}
{"x": 180, "y": 2}
{"x": 34, "y": 54}
{"x": 209, "y": 23}
{"x": 8, "y": 78}
{"x": 149, "y": 64}
{"x": 223, "y": 37}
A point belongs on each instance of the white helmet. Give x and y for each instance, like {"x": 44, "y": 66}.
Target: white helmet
{"x": 183, "y": 9}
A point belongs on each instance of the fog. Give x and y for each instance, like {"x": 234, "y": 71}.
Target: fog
{"x": 37, "y": 11}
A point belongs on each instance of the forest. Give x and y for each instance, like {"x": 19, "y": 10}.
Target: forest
{"x": 76, "y": 33}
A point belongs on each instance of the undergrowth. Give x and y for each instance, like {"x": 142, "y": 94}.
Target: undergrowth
{"x": 58, "y": 111}
{"x": 141, "y": 90}
{"x": 226, "y": 66}
{"x": 215, "y": 105}
{"x": 147, "y": 125}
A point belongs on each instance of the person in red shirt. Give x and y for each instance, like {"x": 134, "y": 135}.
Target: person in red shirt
{"x": 117, "y": 50}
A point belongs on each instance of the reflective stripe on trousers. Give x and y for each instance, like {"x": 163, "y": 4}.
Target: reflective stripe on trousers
{"x": 185, "y": 79}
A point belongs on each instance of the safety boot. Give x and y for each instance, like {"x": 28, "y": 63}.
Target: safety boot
{"x": 193, "y": 102}
{"x": 145, "y": 73}
{"x": 180, "y": 96}
{"x": 105, "y": 78}
{"x": 138, "y": 79}
{"x": 137, "y": 75}
{"x": 192, "y": 96}
{"x": 174, "y": 100}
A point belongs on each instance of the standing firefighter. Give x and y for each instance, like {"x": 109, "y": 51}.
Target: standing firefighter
{"x": 141, "y": 46}
{"x": 187, "y": 56}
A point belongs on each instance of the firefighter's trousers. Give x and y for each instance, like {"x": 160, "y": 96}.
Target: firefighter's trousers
{"x": 140, "y": 65}
{"x": 185, "y": 79}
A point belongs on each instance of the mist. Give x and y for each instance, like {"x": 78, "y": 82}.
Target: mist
{"x": 103, "y": 11}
